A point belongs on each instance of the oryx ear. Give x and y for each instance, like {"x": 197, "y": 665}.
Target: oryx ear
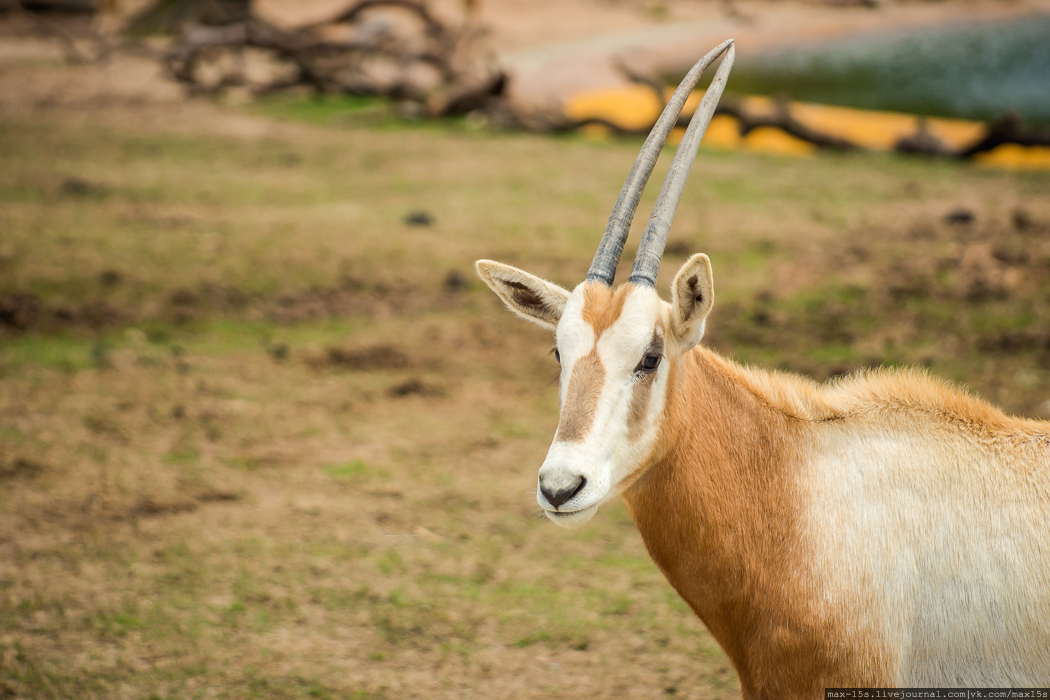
{"x": 527, "y": 295}
{"x": 692, "y": 295}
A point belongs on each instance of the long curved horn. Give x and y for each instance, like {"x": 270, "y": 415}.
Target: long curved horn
{"x": 603, "y": 268}
{"x": 651, "y": 248}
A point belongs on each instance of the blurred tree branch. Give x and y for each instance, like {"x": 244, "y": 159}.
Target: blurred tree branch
{"x": 1004, "y": 130}
{"x": 428, "y": 61}
{"x": 69, "y": 46}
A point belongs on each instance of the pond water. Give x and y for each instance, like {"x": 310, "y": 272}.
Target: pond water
{"x": 967, "y": 71}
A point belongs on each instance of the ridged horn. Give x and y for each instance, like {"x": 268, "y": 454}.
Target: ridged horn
{"x": 603, "y": 267}
{"x": 654, "y": 238}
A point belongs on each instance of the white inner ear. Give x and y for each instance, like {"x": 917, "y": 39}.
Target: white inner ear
{"x": 528, "y": 296}
{"x": 692, "y": 297}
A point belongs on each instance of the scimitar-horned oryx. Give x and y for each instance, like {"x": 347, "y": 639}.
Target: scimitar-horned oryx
{"x": 882, "y": 530}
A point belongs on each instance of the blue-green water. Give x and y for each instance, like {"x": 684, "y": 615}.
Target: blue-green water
{"x": 969, "y": 71}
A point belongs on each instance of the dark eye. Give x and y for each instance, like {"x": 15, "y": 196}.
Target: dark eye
{"x": 557, "y": 355}
{"x": 650, "y": 362}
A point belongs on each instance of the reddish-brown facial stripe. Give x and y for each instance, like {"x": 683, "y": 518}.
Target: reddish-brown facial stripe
{"x": 581, "y": 400}
{"x": 601, "y": 308}
{"x": 639, "y": 409}
{"x": 640, "y": 395}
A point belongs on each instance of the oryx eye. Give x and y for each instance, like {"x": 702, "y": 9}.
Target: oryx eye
{"x": 557, "y": 355}
{"x": 650, "y": 362}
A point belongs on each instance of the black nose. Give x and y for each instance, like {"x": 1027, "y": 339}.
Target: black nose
{"x": 556, "y": 498}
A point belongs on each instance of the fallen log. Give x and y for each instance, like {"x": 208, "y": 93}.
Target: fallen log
{"x": 1008, "y": 129}
{"x": 437, "y": 66}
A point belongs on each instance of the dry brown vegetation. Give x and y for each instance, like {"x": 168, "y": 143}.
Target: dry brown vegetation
{"x": 263, "y": 434}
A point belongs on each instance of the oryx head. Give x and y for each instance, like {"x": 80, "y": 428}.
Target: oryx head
{"x": 618, "y": 347}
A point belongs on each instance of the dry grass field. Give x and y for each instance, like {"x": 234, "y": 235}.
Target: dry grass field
{"x": 262, "y": 437}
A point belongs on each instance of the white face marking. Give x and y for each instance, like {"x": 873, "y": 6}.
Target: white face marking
{"x": 606, "y": 451}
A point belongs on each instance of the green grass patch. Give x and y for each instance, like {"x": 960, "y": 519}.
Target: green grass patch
{"x": 325, "y": 110}
{"x": 354, "y": 470}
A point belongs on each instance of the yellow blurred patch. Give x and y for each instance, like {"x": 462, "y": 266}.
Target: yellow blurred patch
{"x": 595, "y": 132}
{"x": 722, "y": 133}
{"x": 882, "y": 130}
{"x": 635, "y": 107}
{"x": 1013, "y": 157}
{"x": 632, "y": 107}
{"x": 766, "y": 139}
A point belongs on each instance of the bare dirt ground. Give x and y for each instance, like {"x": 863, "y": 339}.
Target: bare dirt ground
{"x": 260, "y": 436}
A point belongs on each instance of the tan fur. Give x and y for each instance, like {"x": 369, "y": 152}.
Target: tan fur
{"x": 719, "y": 510}
{"x": 881, "y": 394}
{"x": 718, "y": 513}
